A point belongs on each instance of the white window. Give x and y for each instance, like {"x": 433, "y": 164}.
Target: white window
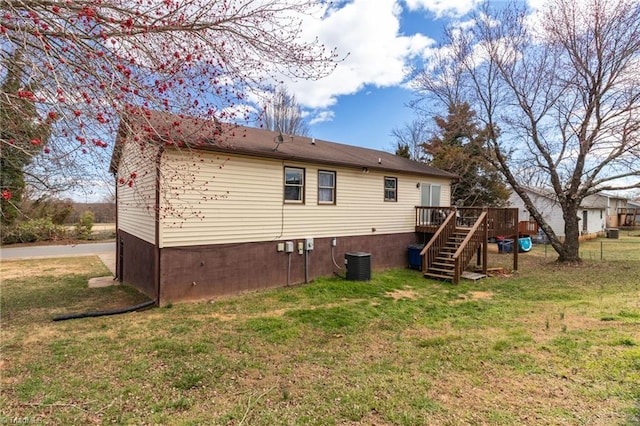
{"x": 293, "y": 185}
{"x": 326, "y": 187}
{"x": 390, "y": 189}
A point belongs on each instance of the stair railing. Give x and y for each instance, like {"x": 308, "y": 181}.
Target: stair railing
{"x": 431, "y": 250}
{"x": 467, "y": 248}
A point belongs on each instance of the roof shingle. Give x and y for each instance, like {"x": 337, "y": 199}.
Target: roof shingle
{"x": 209, "y": 135}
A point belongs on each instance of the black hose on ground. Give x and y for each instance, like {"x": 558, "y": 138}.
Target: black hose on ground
{"x": 138, "y": 307}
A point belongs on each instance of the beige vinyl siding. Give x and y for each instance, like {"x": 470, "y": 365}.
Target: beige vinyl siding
{"x": 136, "y": 203}
{"x": 233, "y": 199}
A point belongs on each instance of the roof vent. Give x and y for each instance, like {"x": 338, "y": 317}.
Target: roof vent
{"x": 379, "y": 160}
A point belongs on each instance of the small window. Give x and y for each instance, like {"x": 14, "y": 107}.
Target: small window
{"x": 293, "y": 185}
{"x": 326, "y": 187}
{"x": 390, "y": 189}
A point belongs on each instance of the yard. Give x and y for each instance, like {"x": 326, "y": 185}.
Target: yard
{"x": 547, "y": 345}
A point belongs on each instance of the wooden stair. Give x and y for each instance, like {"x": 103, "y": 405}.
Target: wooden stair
{"x": 443, "y": 266}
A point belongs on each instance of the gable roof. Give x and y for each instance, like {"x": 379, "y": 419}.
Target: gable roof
{"x": 208, "y": 135}
{"x": 594, "y": 201}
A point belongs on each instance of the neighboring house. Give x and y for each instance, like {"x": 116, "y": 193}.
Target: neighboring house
{"x": 206, "y": 209}
{"x": 610, "y": 204}
{"x": 592, "y": 213}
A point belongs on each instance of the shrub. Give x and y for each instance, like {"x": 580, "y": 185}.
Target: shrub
{"x": 34, "y": 230}
{"x": 84, "y": 226}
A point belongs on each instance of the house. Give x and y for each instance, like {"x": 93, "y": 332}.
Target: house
{"x": 207, "y": 209}
{"x": 609, "y": 203}
{"x": 592, "y": 214}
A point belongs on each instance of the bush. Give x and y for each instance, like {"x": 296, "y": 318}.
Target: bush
{"x": 85, "y": 226}
{"x": 32, "y": 231}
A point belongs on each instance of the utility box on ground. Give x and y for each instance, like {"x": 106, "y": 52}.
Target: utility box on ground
{"x": 358, "y": 266}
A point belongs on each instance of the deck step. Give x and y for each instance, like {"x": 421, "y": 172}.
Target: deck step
{"x": 438, "y": 276}
{"x": 450, "y": 264}
{"x": 446, "y": 271}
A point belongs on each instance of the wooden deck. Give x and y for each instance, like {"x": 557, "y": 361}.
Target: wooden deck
{"x": 459, "y": 234}
{"x": 628, "y": 217}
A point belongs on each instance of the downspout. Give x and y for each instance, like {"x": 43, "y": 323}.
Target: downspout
{"x": 157, "y": 224}
{"x": 118, "y": 266}
{"x": 306, "y": 266}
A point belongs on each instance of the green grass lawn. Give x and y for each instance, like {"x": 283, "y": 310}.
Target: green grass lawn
{"x": 548, "y": 344}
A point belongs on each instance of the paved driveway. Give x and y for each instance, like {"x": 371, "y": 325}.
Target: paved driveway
{"x": 106, "y": 252}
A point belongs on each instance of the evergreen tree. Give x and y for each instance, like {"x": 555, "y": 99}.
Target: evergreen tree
{"x": 22, "y": 135}
{"x": 402, "y": 150}
{"x": 457, "y": 149}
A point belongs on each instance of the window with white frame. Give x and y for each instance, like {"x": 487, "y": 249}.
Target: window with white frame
{"x": 293, "y": 185}
{"x": 326, "y": 187}
{"x": 390, "y": 189}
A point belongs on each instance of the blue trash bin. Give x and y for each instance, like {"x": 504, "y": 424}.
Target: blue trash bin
{"x": 415, "y": 260}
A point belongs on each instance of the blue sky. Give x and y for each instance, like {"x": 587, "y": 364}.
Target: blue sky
{"x": 366, "y": 97}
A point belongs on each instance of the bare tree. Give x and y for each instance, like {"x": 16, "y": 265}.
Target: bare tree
{"x": 282, "y": 113}
{"x": 94, "y": 61}
{"x": 558, "y": 96}
{"x": 410, "y": 140}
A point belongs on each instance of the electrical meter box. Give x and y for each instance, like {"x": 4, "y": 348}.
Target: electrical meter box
{"x": 308, "y": 244}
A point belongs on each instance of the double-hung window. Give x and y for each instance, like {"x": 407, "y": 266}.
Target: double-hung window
{"x": 326, "y": 187}
{"x": 293, "y": 185}
{"x": 390, "y": 189}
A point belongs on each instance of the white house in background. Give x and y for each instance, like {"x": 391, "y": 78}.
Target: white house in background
{"x": 592, "y": 213}
{"x": 611, "y": 205}
{"x": 206, "y": 209}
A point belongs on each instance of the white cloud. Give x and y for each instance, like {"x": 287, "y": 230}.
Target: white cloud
{"x": 444, "y": 8}
{"x": 378, "y": 53}
{"x": 321, "y": 117}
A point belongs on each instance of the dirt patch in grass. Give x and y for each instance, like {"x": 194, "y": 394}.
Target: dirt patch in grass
{"x": 406, "y": 293}
{"x": 473, "y": 295}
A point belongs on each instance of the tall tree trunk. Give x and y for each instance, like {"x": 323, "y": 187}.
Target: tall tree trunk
{"x": 570, "y": 247}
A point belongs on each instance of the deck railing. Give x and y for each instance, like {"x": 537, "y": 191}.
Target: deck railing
{"x": 446, "y": 228}
{"x": 500, "y": 221}
{"x": 527, "y": 227}
{"x": 431, "y": 217}
{"x": 629, "y": 216}
{"x": 477, "y": 235}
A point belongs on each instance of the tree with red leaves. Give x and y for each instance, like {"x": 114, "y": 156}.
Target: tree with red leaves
{"x": 95, "y": 61}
